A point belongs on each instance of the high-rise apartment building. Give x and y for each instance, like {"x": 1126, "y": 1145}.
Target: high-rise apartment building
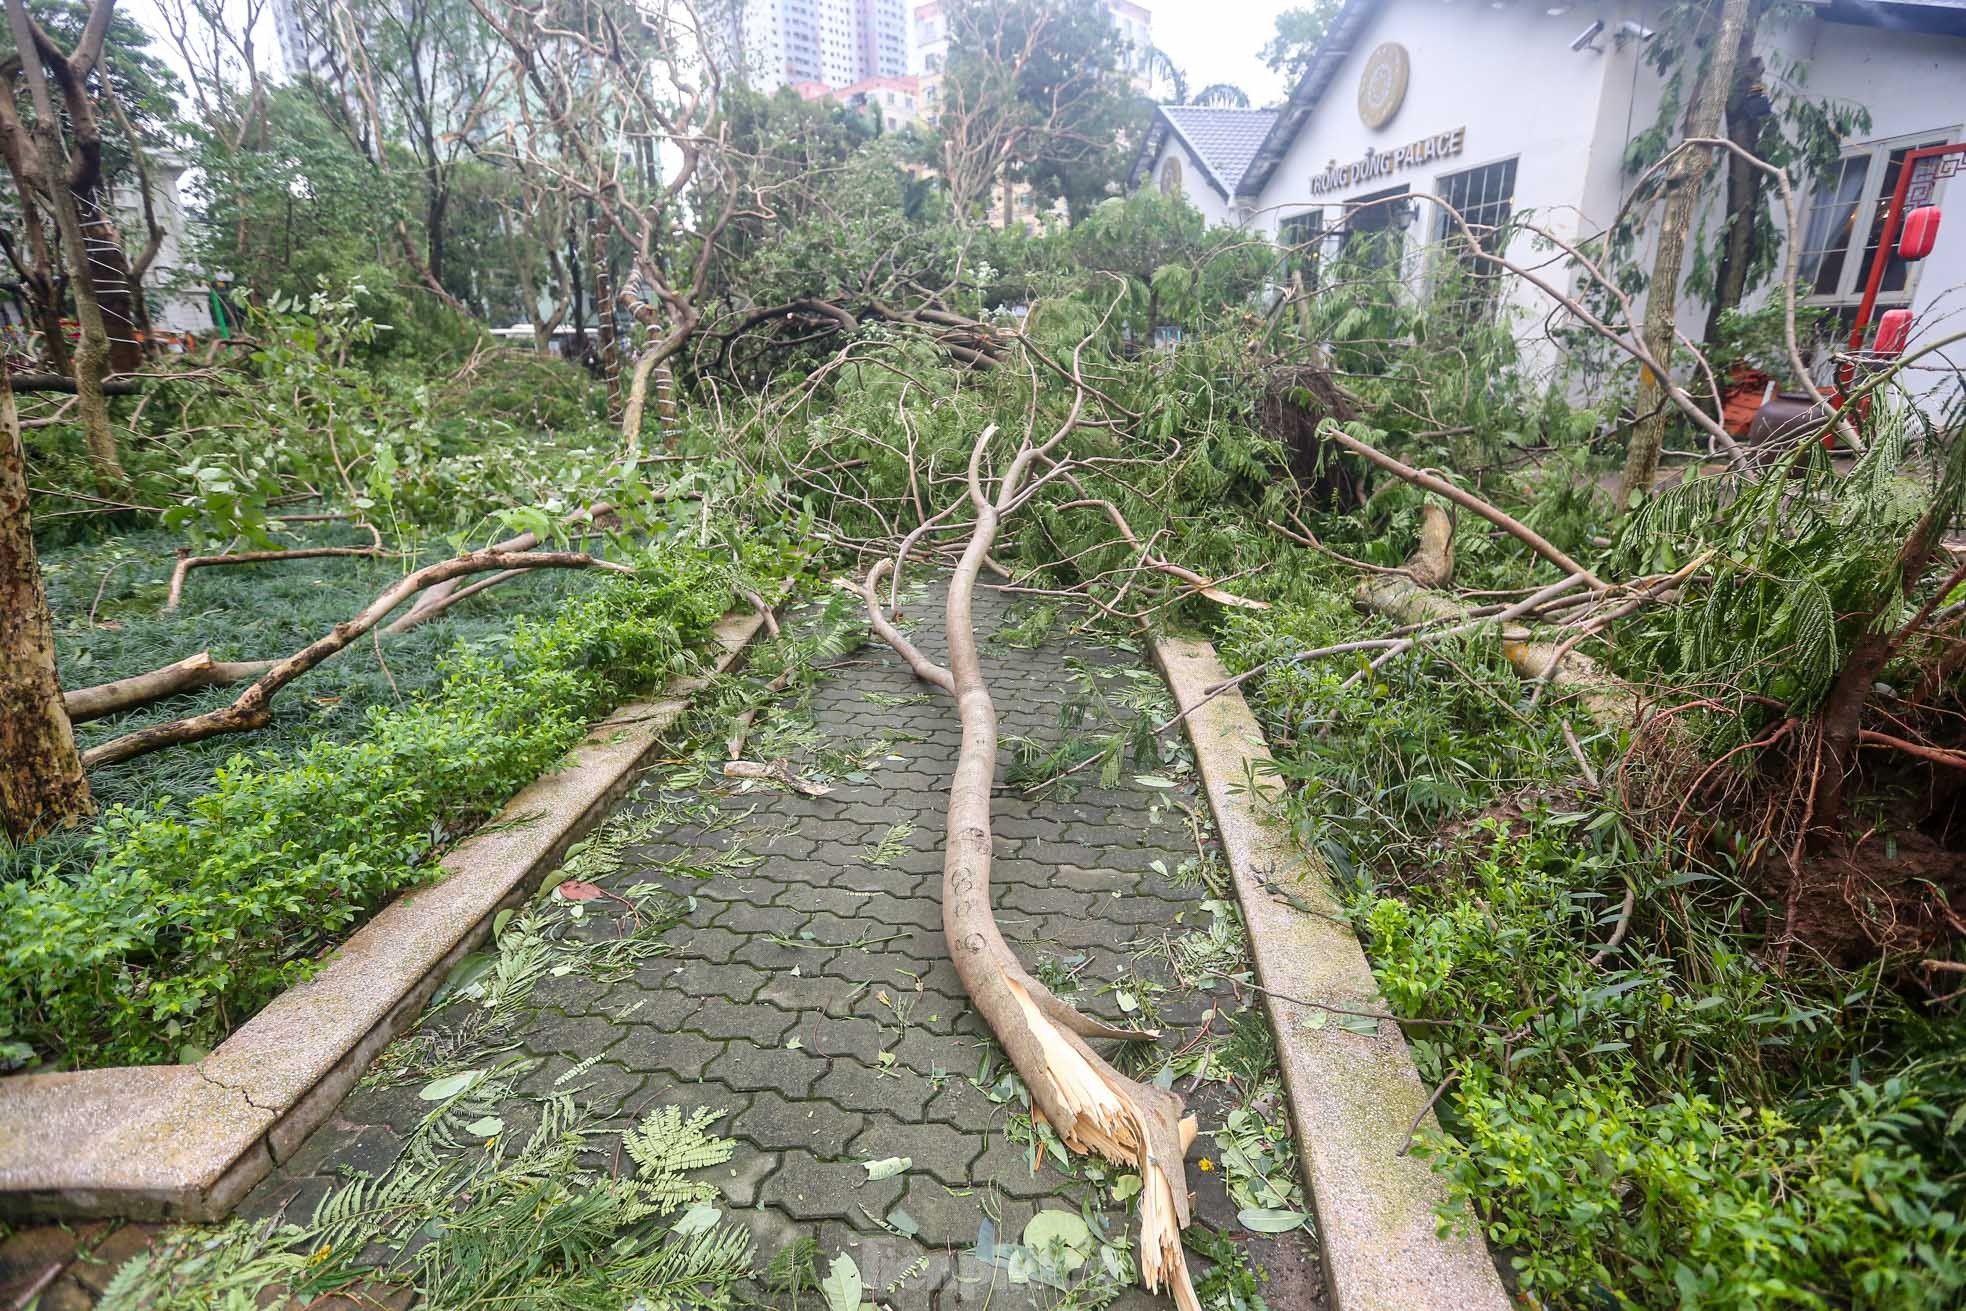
{"x": 834, "y": 42}
{"x": 1133, "y": 22}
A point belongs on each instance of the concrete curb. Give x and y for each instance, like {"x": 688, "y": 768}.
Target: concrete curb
{"x": 1351, "y": 1095}
{"x": 186, "y": 1142}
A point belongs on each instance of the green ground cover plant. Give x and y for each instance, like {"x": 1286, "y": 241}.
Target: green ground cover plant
{"x": 1675, "y": 1123}
{"x": 180, "y": 918}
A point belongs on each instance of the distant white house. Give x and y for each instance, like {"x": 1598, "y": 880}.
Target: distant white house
{"x": 1508, "y": 106}
{"x": 179, "y": 299}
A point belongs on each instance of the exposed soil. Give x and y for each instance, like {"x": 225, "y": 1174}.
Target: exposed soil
{"x": 1899, "y": 890}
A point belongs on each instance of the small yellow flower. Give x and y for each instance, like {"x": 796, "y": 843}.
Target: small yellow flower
{"x": 1204, "y": 1164}
{"x": 320, "y": 1254}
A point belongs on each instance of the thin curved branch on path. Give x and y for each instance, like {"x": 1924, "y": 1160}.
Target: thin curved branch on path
{"x": 253, "y": 708}
{"x": 1091, "y": 1105}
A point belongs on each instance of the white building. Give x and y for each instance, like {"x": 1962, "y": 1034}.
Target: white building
{"x": 1506, "y": 107}
{"x": 832, "y": 42}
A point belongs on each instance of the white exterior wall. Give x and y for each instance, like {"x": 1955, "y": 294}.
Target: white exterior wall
{"x": 1194, "y": 181}
{"x": 1510, "y": 79}
{"x": 1913, "y": 85}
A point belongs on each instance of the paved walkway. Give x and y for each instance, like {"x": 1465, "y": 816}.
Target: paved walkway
{"x": 808, "y": 993}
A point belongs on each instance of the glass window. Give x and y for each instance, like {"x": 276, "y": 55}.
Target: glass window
{"x": 1170, "y": 176}
{"x": 1831, "y": 214}
{"x": 1301, "y": 236}
{"x": 1857, "y": 192}
{"x": 1484, "y": 196}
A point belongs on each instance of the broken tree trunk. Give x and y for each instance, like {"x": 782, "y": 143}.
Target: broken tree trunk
{"x": 254, "y": 707}
{"x": 1675, "y": 230}
{"x": 1515, "y": 528}
{"x": 1410, "y": 598}
{"x": 41, "y": 780}
{"x": 1092, "y": 1106}
{"x": 190, "y": 674}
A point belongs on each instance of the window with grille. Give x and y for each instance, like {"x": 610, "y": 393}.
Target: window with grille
{"x": 1484, "y": 197}
{"x": 1300, "y": 236}
{"x": 1848, "y": 204}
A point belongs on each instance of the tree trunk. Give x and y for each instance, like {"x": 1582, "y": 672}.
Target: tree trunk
{"x": 604, "y": 341}
{"x": 1675, "y": 227}
{"x": 41, "y": 780}
{"x": 111, "y": 286}
{"x": 1744, "y": 183}
{"x": 92, "y": 357}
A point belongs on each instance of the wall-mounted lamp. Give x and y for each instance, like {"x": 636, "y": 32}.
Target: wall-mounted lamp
{"x": 1587, "y": 39}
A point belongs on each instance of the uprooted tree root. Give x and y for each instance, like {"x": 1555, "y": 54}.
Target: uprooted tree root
{"x": 1890, "y": 893}
{"x": 1092, "y": 1106}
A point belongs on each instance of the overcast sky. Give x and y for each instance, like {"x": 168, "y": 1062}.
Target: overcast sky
{"x": 1211, "y": 40}
{"x": 1217, "y": 41}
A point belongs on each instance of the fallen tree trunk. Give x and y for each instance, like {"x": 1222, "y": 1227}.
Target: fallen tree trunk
{"x": 253, "y": 708}
{"x": 1515, "y": 528}
{"x": 190, "y": 674}
{"x": 1607, "y": 698}
{"x": 1092, "y": 1106}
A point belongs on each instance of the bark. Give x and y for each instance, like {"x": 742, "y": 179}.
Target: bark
{"x": 1091, "y": 1105}
{"x": 1432, "y": 561}
{"x": 99, "y": 263}
{"x": 186, "y": 562}
{"x": 187, "y": 675}
{"x": 253, "y": 709}
{"x": 1744, "y": 182}
{"x": 1409, "y": 599}
{"x": 1466, "y": 500}
{"x": 37, "y": 274}
{"x": 92, "y": 357}
{"x": 604, "y": 342}
{"x": 41, "y": 780}
{"x": 1675, "y": 228}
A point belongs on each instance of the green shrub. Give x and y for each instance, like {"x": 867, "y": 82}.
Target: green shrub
{"x": 1604, "y": 1197}
{"x": 1674, "y": 1125}
{"x": 193, "y": 915}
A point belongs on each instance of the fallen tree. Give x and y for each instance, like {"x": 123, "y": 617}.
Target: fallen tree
{"x": 253, "y": 708}
{"x": 1092, "y": 1106}
{"x": 191, "y": 674}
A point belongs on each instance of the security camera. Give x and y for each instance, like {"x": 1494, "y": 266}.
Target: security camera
{"x": 1634, "y": 31}
{"x": 1588, "y": 35}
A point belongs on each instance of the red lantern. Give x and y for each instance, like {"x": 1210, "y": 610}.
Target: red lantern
{"x": 1893, "y": 331}
{"x": 1921, "y": 229}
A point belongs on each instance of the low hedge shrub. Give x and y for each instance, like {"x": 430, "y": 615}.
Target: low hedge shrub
{"x": 187, "y": 917}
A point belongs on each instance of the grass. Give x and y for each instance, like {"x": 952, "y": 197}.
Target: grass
{"x": 1670, "y": 1123}
{"x": 214, "y": 880}
{"x": 245, "y": 612}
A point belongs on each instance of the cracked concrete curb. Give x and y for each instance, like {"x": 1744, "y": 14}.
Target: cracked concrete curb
{"x": 186, "y": 1142}
{"x": 1352, "y": 1095}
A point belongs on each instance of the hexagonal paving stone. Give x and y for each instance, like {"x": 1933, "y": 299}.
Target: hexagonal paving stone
{"x": 807, "y": 1188}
